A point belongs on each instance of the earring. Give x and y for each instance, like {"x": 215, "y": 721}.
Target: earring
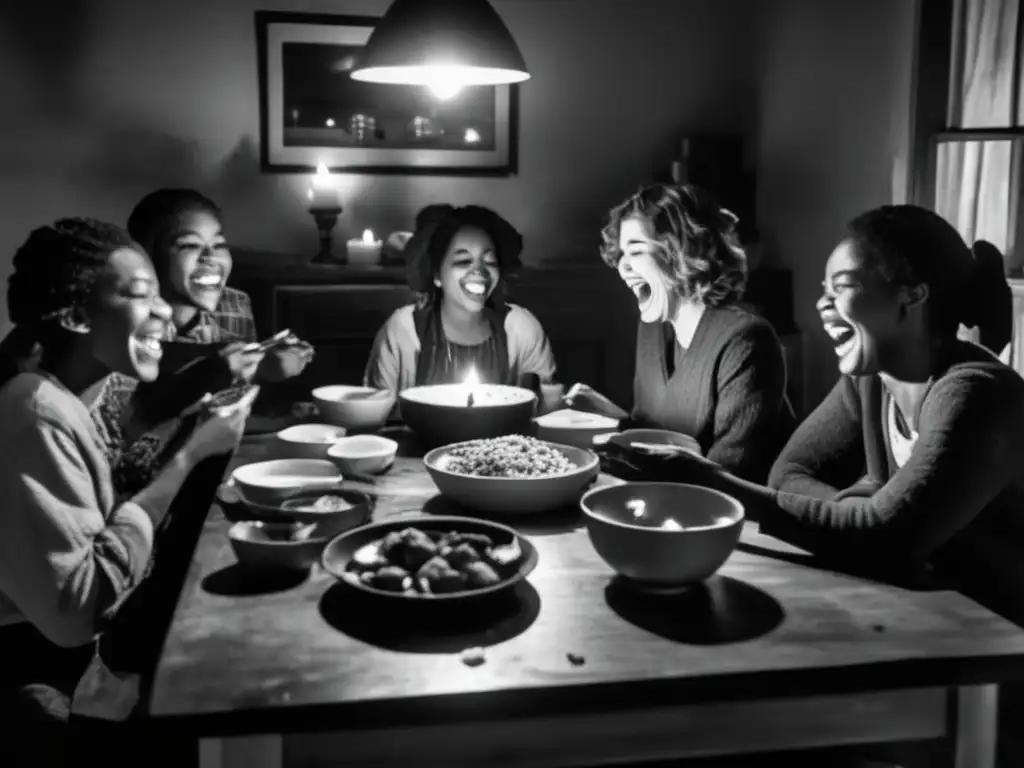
{"x": 437, "y": 283}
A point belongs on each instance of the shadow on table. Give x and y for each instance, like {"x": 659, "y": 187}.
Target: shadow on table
{"x": 530, "y": 524}
{"x": 430, "y": 627}
{"x": 238, "y": 581}
{"x": 719, "y": 611}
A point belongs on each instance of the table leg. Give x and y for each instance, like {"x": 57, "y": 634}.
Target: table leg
{"x": 976, "y": 726}
{"x": 242, "y": 752}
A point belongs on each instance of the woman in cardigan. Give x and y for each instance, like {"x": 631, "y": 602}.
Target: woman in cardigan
{"x": 705, "y": 366}
{"x": 85, "y": 302}
{"x": 458, "y": 261}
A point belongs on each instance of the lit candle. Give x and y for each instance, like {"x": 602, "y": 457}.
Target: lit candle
{"x": 471, "y": 383}
{"x": 323, "y": 194}
{"x": 365, "y": 250}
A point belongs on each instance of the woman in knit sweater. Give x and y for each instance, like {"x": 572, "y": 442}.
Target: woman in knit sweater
{"x": 705, "y": 366}
{"x": 915, "y": 461}
{"x": 458, "y": 263}
{"x": 86, "y": 302}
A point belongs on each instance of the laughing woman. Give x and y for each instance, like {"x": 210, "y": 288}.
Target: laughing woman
{"x": 457, "y": 264}
{"x": 85, "y": 302}
{"x": 705, "y": 366}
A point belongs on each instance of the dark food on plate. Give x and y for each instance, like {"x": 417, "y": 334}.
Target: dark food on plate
{"x": 421, "y": 562}
{"x": 511, "y": 456}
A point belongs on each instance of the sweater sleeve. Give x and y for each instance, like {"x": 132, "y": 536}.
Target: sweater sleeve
{"x": 383, "y": 369}
{"x": 529, "y": 345}
{"x": 751, "y": 395}
{"x": 970, "y": 447}
{"x": 66, "y": 563}
{"x": 826, "y": 452}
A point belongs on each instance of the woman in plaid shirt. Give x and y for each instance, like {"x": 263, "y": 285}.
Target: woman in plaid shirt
{"x": 182, "y": 231}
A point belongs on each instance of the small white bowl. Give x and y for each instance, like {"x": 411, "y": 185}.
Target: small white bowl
{"x": 308, "y": 441}
{"x": 354, "y": 407}
{"x": 363, "y": 454}
{"x": 576, "y": 428}
{"x": 269, "y": 482}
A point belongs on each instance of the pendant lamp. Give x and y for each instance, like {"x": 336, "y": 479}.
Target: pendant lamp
{"x": 443, "y": 44}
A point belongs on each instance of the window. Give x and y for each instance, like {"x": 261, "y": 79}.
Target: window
{"x": 969, "y": 121}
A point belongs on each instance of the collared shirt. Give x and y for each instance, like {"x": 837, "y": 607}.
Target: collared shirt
{"x": 232, "y": 320}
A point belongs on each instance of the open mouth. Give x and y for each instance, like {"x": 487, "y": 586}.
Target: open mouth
{"x": 641, "y": 289}
{"x": 207, "y": 279}
{"x": 475, "y": 288}
{"x": 844, "y": 338}
{"x": 148, "y": 347}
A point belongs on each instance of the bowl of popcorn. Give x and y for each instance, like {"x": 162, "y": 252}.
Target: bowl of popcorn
{"x": 662, "y": 536}
{"x": 511, "y": 475}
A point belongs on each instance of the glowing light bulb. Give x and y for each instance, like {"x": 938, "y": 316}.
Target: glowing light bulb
{"x": 445, "y": 87}
{"x": 472, "y": 136}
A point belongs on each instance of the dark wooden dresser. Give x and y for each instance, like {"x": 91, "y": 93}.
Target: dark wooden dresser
{"x": 588, "y": 315}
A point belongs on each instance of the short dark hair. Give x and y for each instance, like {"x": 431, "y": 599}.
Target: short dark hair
{"x": 909, "y": 245}
{"x": 153, "y": 212}
{"x": 699, "y": 251}
{"x": 436, "y": 227}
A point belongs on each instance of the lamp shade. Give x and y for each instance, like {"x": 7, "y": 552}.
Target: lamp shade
{"x": 427, "y": 42}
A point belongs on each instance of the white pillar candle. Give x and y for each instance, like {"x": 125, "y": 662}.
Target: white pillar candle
{"x": 366, "y": 250}
{"x": 323, "y": 193}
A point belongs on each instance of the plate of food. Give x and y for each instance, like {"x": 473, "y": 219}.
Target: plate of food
{"x": 515, "y": 474}
{"x": 435, "y": 558}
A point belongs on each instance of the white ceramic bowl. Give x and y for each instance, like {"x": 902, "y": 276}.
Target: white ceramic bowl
{"x": 570, "y": 427}
{"x": 514, "y": 495}
{"x": 354, "y": 407}
{"x": 308, "y": 441}
{"x": 363, "y": 454}
{"x": 270, "y": 482}
{"x": 662, "y": 535}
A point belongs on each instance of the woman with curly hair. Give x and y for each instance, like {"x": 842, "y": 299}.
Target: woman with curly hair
{"x": 457, "y": 263}
{"x": 85, "y": 301}
{"x": 705, "y": 366}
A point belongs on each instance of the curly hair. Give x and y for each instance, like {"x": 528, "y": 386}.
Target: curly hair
{"x": 152, "y": 214}
{"x": 55, "y": 271}
{"x": 436, "y": 227}
{"x": 697, "y": 245}
{"x": 907, "y": 245}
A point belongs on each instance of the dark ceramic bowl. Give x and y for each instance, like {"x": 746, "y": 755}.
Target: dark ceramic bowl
{"x": 441, "y": 414}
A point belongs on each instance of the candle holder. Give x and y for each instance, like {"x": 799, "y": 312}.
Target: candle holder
{"x": 326, "y": 219}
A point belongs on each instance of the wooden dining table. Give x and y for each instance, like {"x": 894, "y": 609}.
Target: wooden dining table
{"x": 773, "y": 653}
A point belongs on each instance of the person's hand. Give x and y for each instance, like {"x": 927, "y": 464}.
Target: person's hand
{"x": 583, "y": 397}
{"x": 658, "y": 463}
{"x": 241, "y": 364}
{"x": 219, "y": 434}
{"x": 285, "y": 361}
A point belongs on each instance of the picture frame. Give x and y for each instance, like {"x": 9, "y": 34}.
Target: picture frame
{"x": 312, "y": 113}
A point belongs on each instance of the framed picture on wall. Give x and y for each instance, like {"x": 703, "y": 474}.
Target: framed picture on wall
{"x": 312, "y": 111}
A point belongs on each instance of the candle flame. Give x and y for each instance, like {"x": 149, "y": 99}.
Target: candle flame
{"x": 472, "y": 378}
{"x": 368, "y": 236}
{"x": 322, "y": 169}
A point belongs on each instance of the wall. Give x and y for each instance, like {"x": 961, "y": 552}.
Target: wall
{"x": 111, "y": 98}
{"x": 834, "y": 107}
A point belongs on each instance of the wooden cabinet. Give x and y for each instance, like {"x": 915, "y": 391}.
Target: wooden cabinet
{"x": 588, "y": 316}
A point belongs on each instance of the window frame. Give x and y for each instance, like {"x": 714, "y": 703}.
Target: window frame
{"x": 931, "y": 90}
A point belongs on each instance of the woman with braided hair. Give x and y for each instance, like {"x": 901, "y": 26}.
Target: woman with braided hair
{"x": 86, "y": 303}
{"x": 705, "y": 366}
{"x": 457, "y": 264}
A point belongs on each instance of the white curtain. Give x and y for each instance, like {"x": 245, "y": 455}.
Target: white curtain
{"x": 974, "y": 178}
